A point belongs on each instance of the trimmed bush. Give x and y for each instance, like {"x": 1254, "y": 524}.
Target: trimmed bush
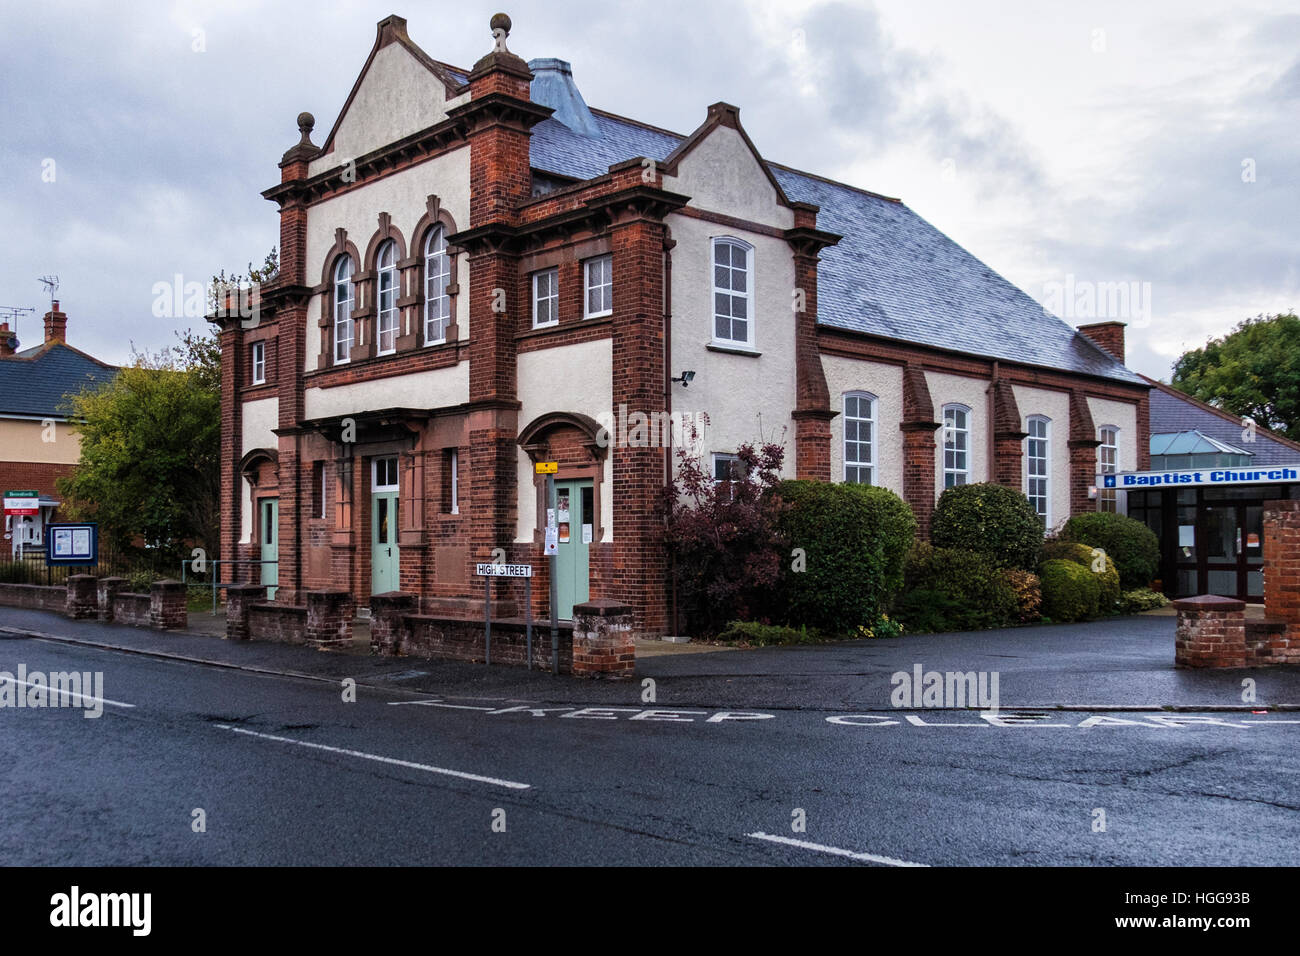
{"x": 1087, "y": 556}
{"x": 1133, "y": 546}
{"x": 951, "y": 590}
{"x": 1071, "y": 592}
{"x": 1029, "y": 594}
{"x": 762, "y": 635}
{"x": 1141, "y": 599}
{"x": 854, "y": 539}
{"x": 992, "y": 520}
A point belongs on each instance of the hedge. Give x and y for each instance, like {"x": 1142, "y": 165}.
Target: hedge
{"x": 992, "y": 520}
{"x": 1133, "y": 546}
{"x": 854, "y": 539}
{"x": 951, "y": 590}
{"x": 1071, "y": 591}
{"x": 1086, "y": 556}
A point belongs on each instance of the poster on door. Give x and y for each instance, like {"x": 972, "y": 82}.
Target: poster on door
{"x": 562, "y": 516}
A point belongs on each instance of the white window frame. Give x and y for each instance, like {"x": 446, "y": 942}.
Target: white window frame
{"x": 604, "y": 287}
{"x": 552, "y": 297}
{"x": 437, "y": 303}
{"x": 455, "y": 481}
{"x": 716, "y": 290}
{"x": 868, "y": 464}
{"x": 386, "y": 290}
{"x": 259, "y": 363}
{"x": 375, "y": 486}
{"x": 1108, "y": 495}
{"x": 951, "y": 432}
{"x": 721, "y": 456}
{"x": 343, "y": 302}
{"x": 324, "y": 490}
{"x": 1046, "y": 459}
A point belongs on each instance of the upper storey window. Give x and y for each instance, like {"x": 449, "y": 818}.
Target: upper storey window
{"x": 546, "y": 298}
{"x": 343, "y": 310}
{"x": 386, "y": 298}
{"x": 437, "y": 277}
{"x": 599, "y": 282}
{"x": 733, "y": 319}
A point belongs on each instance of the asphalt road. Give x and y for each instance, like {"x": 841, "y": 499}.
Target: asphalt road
{"x": 286, "y": 772}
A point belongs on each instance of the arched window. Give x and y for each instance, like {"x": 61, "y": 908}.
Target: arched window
{"x": 956, "y": 446}
{"x": 733, "y": 284}
{"x": 386, "y": 298}
{"x": 1038, "y": 466}
{"x": 1108, "y": 464}
{"x": 343, "y": 310}
{"x": 860, "y": 438}
{"x": 437, "y": 277}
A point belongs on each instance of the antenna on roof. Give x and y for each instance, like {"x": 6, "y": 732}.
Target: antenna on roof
{"x": 51, "y": 287}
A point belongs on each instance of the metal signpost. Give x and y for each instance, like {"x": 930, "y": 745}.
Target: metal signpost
{"x": 21, "y": 505}
{"x": 549, "y": 468}
{"x": 489, "y": 571}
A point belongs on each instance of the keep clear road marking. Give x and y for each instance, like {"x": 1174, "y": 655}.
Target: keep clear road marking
{"x": 65, "y": 693}
{"x": 834, "y": 850}
{"x": 508, "y": 784}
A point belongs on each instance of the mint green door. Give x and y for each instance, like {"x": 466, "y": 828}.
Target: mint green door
{"x": 269, "y": 519}
{"x": 575, "y": 515}
{"x": 384, "y": 556}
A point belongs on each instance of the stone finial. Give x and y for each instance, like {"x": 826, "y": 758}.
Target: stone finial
{"x": 500, "y": 30}
{"x": 306, "y": 123}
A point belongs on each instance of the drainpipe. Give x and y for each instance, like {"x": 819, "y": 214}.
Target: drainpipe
{"x": 668, "y": 396}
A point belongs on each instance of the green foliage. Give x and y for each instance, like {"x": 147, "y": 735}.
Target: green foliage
{"x": 1071, "y": 592}
{"x": 1141, "y": 599}
{"x": 1029, "y": 594}
{"x": 854, "y": 539}
{"x": 150, "y": 449}
{"x": 989, "y": 519}
{"x": 951, "y": 590}
{"x": 1099, "y": 564}
{"x": 755, "y": 634}
{"x": 1133, "y": 546}
{"x": 886, "y": 627}
{"x": 1254, "y": 370}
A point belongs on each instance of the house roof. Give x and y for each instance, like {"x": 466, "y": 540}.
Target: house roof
{"x": 1192, "y": 443}
{"x": 35, "y": 381}
{"x": 1173, "y": 411}
{"x": 892, "y": 274}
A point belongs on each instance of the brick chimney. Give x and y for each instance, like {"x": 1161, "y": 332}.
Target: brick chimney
{"x": 7, "y": 340}
{"x": 1108, "y": 335}
{"x": 56, "y": 324}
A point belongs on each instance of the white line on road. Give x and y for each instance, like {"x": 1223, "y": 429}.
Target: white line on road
{"x": 436, "y": 703}
{"x": 65, "y": 693}
{"x": 509, "y": 784}
{"x": 836, "y": 851}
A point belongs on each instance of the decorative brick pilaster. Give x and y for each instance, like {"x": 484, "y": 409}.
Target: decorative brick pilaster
{"x": 918, "y": 427}
{"x": 603, "y": 644}
{"x": 813, "y": 412}
{"x": 329, "y": 618}
{"x": 1083, "y": 444}
{"x": 1008, "y": 437}
{"x": 239, "y": 598}
{"x": 83, "y": 596}
{"x": 1211, "y": 632}
{"x": 167, "y": 610}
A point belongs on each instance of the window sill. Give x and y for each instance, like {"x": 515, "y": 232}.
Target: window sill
{"x": 733, "y": 349}
{"x": 599, "y": 315}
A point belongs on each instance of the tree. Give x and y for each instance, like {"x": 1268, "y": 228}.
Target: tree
{"x": 256, "y": 276}
{"x": 1253, "y": 371}
{"x": 150, "y": 449}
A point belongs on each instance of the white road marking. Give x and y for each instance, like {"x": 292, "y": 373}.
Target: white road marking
{"x": 427, "y": 768}
{"x": 65, "y": 693}
{"x": 834, "y": 850}
{"x": 435, "y": 703}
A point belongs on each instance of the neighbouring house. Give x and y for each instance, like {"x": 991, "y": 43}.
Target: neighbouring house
{"x": 480, "y": 273}
{"x": 37, "y": 442}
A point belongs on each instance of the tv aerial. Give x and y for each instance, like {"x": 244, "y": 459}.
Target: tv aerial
{"x": 51, "y": 284}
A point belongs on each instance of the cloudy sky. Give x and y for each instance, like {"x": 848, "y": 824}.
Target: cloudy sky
{"x": 1066, "y": 144}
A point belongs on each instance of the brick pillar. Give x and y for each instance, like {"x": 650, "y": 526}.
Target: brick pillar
{"x": 329, "y": 618}
{"x": 239, "y": 598}
{"x": 918, "y": 427}
{"x": 603, "y": 645}
{"x": 83, "y": 596}
{"x": 1282, "y": 575}
{"x": 386, "y": 628}
{"x": 1083, "y": 444}
{"x": 167, "y": 610}
{"x": 108, "y": 588}
{"x": 1008, "y": 437}
{"x": 1211, "y": 632}
{"x": 813, "y": 412}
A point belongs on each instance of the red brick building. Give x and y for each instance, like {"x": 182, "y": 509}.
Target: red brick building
{"x": 480, "y": 273}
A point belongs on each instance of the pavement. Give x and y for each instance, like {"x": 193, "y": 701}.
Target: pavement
{"x": 1120, "y": 663}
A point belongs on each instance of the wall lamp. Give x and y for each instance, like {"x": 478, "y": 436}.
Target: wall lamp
{"x": 686, "y": 378}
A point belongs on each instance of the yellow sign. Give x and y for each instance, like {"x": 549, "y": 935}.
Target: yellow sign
{"x": 546, "y": 467}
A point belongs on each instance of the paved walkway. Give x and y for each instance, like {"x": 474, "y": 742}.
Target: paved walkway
{"x": 1118, "y": 663}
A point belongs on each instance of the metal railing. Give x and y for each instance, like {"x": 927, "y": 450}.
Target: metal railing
{"x": 217, "y": 584}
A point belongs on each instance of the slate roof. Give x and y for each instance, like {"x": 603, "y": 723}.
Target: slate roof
{"x": 1172, "y": 411}
{"x": 892, "y": 275}
{"x": 35, "y": 381}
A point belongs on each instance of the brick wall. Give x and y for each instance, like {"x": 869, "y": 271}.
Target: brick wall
{"x": 35, "y": 597}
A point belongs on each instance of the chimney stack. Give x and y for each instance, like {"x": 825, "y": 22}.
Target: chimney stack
{"x": 1109, "y": 336}
{"x": 7, "y": 340}
{"x": 56, "y": 324}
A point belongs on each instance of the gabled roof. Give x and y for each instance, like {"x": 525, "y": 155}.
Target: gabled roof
{"x": 1192, "y": 443}
{"x": 35, "y": 381}
{"x": 1175, "y": 411}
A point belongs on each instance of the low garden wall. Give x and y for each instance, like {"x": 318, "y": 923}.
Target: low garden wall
{"x": 36, "y": 597}
{"x": 85, "y": 596}
{"x": 324, "y": 621}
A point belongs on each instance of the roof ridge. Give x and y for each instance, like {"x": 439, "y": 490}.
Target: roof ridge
{"x": 835, "y": 182}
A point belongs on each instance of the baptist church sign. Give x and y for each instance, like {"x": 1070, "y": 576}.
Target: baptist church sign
{"x": 1200, "y": 478}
